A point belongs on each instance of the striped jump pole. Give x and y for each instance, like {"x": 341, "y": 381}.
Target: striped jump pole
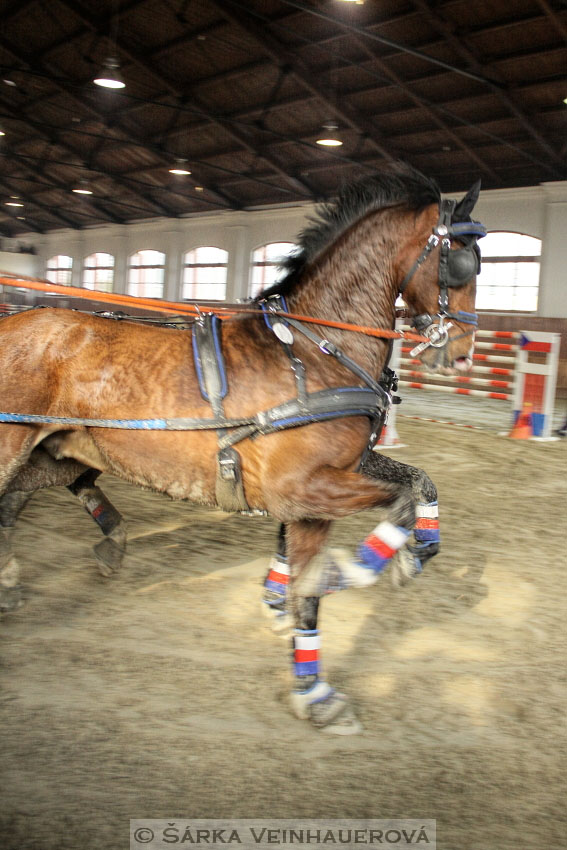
{"x": 503, "y": 370}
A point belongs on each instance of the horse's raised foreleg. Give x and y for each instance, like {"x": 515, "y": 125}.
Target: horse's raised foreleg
{"x": 426, "y": 530}
{"x": 109, "y": 552}
{"x": 411, "y": 558}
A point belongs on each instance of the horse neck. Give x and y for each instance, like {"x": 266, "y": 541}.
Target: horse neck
{"x": 355, "y": 281}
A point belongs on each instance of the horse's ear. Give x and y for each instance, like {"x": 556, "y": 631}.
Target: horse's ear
{"x": 465, "y": 207}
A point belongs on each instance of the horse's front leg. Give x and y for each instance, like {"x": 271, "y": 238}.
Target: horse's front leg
{"x": 338, "y": 570}
{"x": 426, "y": 537}
{"x": 312, "y": 698}
{"x": 313, "y": 574}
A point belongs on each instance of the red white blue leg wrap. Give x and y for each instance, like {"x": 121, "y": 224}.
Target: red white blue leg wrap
{"x": 277, "y": 580}
{"x": 426, "y": 528}
{"x": 381, "y": 545}
{"x": 426, "y": 533}
{"x": 306, "y": 644}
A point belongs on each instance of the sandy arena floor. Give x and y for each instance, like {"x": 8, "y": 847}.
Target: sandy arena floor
{"x": 161, "y": 693}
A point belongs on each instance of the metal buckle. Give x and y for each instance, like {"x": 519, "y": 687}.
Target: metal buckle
{"x": 227, "y": 468}
{"x": 438, "y": 336}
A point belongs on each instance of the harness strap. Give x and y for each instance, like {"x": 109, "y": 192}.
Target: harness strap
{"x": 328, "y": 347}
{"x": 211, "y": 374}
{"x": 271, "y": 308}
{"x": 324, "y": 404}
{"x": 382, "y": 388}
{"x": 209, "y": 362}
{"x": 431, "y": 243}
{"x": 321, "y": 406}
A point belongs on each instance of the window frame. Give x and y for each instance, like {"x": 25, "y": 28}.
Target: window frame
{"x": 96, "y": 287}
{"x": 265, "y": 264}
{"x": 59, "y": 270}
{"x": 141, "y": 267}
{"x": 512, "y": 287}
{"x": 195, "y": 266}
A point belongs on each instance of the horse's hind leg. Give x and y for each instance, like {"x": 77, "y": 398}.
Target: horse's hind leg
{"x": 13, "y": 455}
{"x": 109, "y": 552}
{"x": 11, "y": 504}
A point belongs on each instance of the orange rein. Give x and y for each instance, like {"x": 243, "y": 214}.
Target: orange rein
{"x": 172, "y": 307}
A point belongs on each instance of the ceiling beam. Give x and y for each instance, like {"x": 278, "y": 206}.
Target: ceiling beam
{"x": 35, "y": 202}
{"x": 556, "y": 21}
{"x": 496, "y": 84}
{"x": 84, "y": 104}
{"x": 285, "y": 58}
{"x": 54, "y": 139}
{"x": 367, "y": 32}
{"x": 140, "y": 59}
{"x": 55, "y": 184}
{"x": 49, "y": 132}
{"x": 430, "y": 111}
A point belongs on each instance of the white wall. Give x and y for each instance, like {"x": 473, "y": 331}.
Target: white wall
{"x": 27, "y": 265}
{"x": 539, "y": 211}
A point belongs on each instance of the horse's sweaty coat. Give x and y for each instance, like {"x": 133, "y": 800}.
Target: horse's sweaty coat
{"x": 352, "y": 265}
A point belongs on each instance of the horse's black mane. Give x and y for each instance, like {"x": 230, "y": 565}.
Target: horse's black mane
{"x": 398, "y": 184}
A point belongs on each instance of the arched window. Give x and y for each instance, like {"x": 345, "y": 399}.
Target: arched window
{"x": 98, "y": 272}
{"x": 509, "y": 277}
{"x": 60, "y": 269}
{"x": 204, "y": 274}
{"x": 265, "y": 265}
{"x": 146, "y": 274}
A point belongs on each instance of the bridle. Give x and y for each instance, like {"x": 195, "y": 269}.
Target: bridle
{"x": 456, "y": 268}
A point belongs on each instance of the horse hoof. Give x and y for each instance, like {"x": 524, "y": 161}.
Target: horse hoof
{"x": 332, "y": 713}
{"x": 11, "y": 598}
{"x": 337, "y": 717}
{"x": 347, "y": 724}
{"x": 108, "y": 556}
{"x": 405, "y": 567}
{"x": 281, "y": 622}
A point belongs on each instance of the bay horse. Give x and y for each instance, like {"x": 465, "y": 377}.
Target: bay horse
{"x": 64, "y": 376}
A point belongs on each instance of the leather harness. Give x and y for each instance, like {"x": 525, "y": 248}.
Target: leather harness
{"x": 306, "y": 408}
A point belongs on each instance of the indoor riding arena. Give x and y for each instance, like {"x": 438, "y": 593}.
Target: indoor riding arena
{"x": 148, "y": 701}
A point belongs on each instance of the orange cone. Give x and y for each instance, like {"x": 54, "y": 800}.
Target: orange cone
{"x": 522, "y": 429}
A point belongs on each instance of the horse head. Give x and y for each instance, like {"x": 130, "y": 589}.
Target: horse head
{"x": 440, "y": 285}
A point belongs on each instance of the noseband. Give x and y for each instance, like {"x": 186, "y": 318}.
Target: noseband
{"x": 456, "y": 268}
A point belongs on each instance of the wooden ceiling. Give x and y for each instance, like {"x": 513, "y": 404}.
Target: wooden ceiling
{"x": 241, "y": 88}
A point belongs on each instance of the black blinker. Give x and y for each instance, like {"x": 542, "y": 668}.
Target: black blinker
{"x": 462, "y": 265}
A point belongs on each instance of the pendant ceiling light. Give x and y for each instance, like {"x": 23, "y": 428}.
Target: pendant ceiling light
{"x": 179, "y": 167}
{"x": 82, "y": 188}
{"x": 329, "y": 137}
{"x": 110, "y": 77}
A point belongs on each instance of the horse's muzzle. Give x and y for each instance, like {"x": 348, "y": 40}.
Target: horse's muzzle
{"x": 447, "y": 361}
